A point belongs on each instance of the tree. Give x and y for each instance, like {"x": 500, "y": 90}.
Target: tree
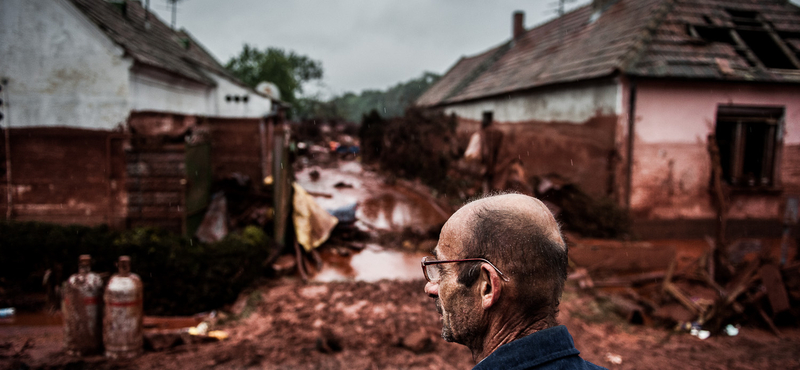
{"x": 287, "y": 70}
{"x": 390, "y": 103}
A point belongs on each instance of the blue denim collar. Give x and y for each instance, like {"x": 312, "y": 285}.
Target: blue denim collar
{"x": 533, "y": 350}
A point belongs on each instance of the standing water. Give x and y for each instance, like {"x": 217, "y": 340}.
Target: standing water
{"x": 372, "y": 264}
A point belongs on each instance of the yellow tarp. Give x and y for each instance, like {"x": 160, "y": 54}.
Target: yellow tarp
{"x": 312, "y": 223}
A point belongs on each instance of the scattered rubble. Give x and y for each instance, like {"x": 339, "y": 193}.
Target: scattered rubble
{"x": 645, "y": 283}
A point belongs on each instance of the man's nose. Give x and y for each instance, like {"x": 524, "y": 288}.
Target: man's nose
{"x": 432, "y": 289}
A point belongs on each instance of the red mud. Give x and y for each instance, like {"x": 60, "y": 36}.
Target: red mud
{"x": 393, "y": 325}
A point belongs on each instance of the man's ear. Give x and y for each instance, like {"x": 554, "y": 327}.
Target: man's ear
{"x": 489, "y": 286}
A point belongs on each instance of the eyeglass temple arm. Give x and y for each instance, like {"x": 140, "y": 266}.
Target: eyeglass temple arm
{"x": 502, "y": 275}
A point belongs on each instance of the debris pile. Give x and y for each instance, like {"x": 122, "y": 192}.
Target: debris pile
{"x": 706, "y": 295}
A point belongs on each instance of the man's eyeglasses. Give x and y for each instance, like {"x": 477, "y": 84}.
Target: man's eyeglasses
{"x": 432, "y": 273}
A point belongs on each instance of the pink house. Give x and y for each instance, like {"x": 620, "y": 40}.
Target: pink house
{"x": 622, "y": 97}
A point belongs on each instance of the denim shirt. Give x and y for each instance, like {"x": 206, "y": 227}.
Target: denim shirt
{"x": 547, "y": 349}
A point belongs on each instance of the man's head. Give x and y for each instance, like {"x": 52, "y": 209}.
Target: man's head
{"x": 519, "y": 235}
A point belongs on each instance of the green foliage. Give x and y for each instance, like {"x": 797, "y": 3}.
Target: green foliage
{"x": 180, "y": 276}
{"x": 287, "y": 70}
{"x": 315, "y": 109}
{"x": 390, "y": 103}
{"x": 28, "y": 249}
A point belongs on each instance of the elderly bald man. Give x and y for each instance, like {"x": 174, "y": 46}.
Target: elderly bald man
{"x": 497, "y": 277}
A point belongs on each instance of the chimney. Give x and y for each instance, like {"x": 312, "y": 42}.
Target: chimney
{"x": 519, "y": 23}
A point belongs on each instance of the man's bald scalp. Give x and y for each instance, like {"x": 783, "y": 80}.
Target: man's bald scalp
{"x": 519, "y": 235}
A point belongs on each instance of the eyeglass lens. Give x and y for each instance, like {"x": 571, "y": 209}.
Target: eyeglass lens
{"x": 433, "y": 272}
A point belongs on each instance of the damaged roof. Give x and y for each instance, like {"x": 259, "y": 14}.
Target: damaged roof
{"x": 744, "y": 40}
{"x": 156, "y": 45}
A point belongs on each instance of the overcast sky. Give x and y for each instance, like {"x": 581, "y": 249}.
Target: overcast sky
{"x": 362, "y": 44}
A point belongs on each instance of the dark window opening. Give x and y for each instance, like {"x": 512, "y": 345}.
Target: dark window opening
{"x": 767, "y": 51}
{"x": 715, "y": 34}
{"x": 747, "y": 138}
{"x": 488, "y": 117}
{"x": 707, "y": 19}
{"x": 228, "y": 98}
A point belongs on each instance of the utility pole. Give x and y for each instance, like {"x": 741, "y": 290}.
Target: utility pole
{"x": 174, "y": 12}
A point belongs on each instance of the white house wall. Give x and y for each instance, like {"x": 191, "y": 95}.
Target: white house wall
{"x": 255, "y": 107}
{"x": 567, "y": 104}
{"x": 61, "y": 69}
{"x": 157, "y": 91}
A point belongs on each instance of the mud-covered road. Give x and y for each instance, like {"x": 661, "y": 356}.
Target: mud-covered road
{"x": 391, "y": 324}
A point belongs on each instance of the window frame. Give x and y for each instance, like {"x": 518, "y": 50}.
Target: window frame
{"x": 742, "y": 115}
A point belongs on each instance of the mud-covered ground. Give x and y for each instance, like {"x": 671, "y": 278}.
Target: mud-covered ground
{"x": 393, "y": 325}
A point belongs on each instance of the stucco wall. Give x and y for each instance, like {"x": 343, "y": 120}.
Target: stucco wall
{"x": 62, "y": 71}
{"x": 672, "y": 169}
{"x": 157, "y": 91}
{"x": 256, "y": 106}
{"x": 567, "y": 104}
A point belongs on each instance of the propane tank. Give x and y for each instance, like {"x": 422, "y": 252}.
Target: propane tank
{"x": 80, "y": 307}
{"x": 122, "y": 323}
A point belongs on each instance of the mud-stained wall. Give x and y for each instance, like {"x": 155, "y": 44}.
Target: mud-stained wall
{"x": 156, "y": 184}
{"x": 65, "y": 176}
{"x": 236, "y": 147}
{"x": 567, "y": 130}
{"x": 671, "y": 168}
{"x": 580, "y": 154}
{"x": 62, "y": 70}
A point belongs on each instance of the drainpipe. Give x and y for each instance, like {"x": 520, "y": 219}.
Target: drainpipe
{"x": 631, "y": 135}
{"x": 3, "y": 86}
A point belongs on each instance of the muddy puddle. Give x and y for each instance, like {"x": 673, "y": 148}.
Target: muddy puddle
{"x": 381, "y": 206}
{"x": 371, "y": 264}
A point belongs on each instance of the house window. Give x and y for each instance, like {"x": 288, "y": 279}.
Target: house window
{"x": 748, "y": 138}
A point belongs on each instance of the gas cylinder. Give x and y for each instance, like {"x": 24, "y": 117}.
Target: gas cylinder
{"x": 81, "y": 310}
{"x": 122, "y": 322}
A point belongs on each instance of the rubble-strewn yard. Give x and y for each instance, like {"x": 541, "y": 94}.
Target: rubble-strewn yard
{"x": 393, "y": 325}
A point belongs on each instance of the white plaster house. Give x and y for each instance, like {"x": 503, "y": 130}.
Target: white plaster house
{"x": 89, "y": 63}
{"x": 81, "y": 76}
